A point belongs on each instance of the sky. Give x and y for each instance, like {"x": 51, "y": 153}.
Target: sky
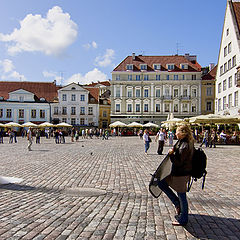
{"x": 84, "y": 40}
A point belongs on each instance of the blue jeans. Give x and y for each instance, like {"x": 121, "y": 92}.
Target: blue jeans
{"x": 178, "y": 201}
{"x": 146, "y": 146}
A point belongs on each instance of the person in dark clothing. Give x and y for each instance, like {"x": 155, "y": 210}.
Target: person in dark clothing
{"x": 1, "y": 135}
{"x": 181, "y": 158}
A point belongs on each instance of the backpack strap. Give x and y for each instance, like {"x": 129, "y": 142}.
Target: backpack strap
{"x": 190, "y": 182}
{"x": 204, "y": 178}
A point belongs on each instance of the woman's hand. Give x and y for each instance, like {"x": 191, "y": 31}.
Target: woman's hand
{"x": 171, "y": 151}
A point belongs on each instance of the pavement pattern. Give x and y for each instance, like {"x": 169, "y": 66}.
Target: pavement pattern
{"x": 98, "y": 189}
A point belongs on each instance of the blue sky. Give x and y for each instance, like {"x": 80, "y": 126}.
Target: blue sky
{"x": 82, "y": 41}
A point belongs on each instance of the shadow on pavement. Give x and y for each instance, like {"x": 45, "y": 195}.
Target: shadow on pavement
{"x": 212, "y": 227}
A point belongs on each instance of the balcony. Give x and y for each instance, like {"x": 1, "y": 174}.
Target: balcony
{"x": 167, "y": 97}
{"x": 185, "y": 97}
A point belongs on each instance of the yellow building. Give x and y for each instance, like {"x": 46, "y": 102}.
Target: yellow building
{"x": 208, "y": 92}
{"x": 104, "y": 112}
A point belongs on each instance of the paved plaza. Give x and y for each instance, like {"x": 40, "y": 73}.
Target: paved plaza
{"x": 98, "y": 189}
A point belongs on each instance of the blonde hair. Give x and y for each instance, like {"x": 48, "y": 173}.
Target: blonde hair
{"x": 186, "y": 131}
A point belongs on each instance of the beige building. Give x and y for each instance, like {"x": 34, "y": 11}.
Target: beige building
{"x": 148, "y": 88}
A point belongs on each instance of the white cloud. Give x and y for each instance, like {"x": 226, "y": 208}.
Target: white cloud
{"x": 93, "y": 44}
{"x": 50, "y": 35}
{"x": 7, "y": 71}
{"x": 106, "y": 59}
{"x": 92, "y": 76}
{"x": 53, "y": 76}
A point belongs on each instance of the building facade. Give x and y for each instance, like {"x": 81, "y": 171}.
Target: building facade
{"x": 226, "y": 90}
{"x": 148, "y": 88}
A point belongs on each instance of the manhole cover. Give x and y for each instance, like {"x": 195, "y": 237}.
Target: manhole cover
{"x": 84, "y": 192}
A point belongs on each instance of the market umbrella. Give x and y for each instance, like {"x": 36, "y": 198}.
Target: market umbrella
{"x": 149, "y": 124}
{"x": 46, "y": 124}
{"x": 134, "y": 124}
{"x": 12, "y": 124}
{"x": 29, "y": 124}
{"x": 213, "y": 119}
{"x": 117, "y": 124}
{"x": 173, "y": 121}
{"x": 2, "y": 125}
{"x": 63, "y": 124}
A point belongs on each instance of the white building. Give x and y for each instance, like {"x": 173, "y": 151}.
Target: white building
{"x": 226, "y": 90}
{"x": 77, "y": 105}
{"x": 148, "y": 88}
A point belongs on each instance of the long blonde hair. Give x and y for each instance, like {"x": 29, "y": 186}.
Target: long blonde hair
{"x": 186, "y": 131}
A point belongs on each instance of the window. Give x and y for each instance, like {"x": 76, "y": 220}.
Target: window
{"x": 64, "y": 110}
{"x": 90, "y": 110}
{"x": 64, "y": 120}
{"x": 137, "y": 93}
{"x": 64, "y": 97}
{"x": 42, "y": 113}
{"x": 175, "y": 77}
{"x": 229, "y": 64}
{"x": 158, "y": 77}
{"x": 117, "y": 77}
{"x": 185, "y": 107}
{"x": 166, "y": 107}
{"x": 157, "y": 92}
{"x": 184, "y": 66}
{"x": 170, "y": 66}
{"x": 168, "y": 77}
{"x": 184, "y": 92}
{"x": 82, "y": 98}
{"x": 129, "y": 77}
{"x": 146, "y": 77}
{"x": 167, "y": 91}
{"x": 137, "y": 107}
{"x": 21, "y": 113}
{"x": 145, "y": 107}
{"x": 225, "y": 67}
{"x": 224, "y": 103}
{"x": 129, "y": 107}
{"x": 194, "y": 92}
{"x": 229, "y": 47}
{"x": 129, "y": 66}
{"x": 194, "y": 77}
{"x": 82, "y": 111}
{"x": 236, "y": 99}
{"x": 224, "y": 85}
{"x": 55, "y": 110}
{"x": 194, "y": 108}
{"x": 73, "y": 98}
{"x": 230, "y": 82}
{"x": 175, "y": 92}
{"x": 33, "y": 113}
{"x": 221, "y": 70}
{"x": 138, "y": 78}
{"x": 82, "y": 121}
{"x": 209, "y": 106}
{"x": 73, "y": 121}
{"x": 117, "y": 107}
{"x": 129, "y": 93}
{"x": 183, "y": 77}
{"x": 235, "y": 79}
{"x": 73, "y": 110}
{"x": 104, "y": 114}
{"x": 175, "y": 107}
{"x": 234, "y": 61}
{"x": 209, "y": 91}
{"x": 145, "y": 93}
{"x": 219, "y": 105}
{"x": 157, "y": 107}
{"x": 219, "y": 87}
{"x": 143, "y": 66}
{"x": 156, "y": 66}
{"x": 1, "y": 112}
{"x": 117, "y": 92}
{"x": 21, "y": 99}
{"x": 227, "y": 32}
{"x": 225, "y": 51}
{"x": 230, "y": 100}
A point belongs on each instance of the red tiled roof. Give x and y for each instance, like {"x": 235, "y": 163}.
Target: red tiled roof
{"x": 106, "y": 83}
{"x": 211, "y": 75}
{"x": 236, "y": 9}
{"x": 163, "y": 60}
{"x": 94, "y": 92}
{"x": 45, "y": 90}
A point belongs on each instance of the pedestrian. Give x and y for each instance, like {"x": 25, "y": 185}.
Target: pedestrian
{"x": 29, "y": 138}
{"x": 170, "y": 138}
{"x": 15, "y": 136}
{"x": 38, "y": 134}
{"x": 160, "y": 137}
{"x": 140, "y": 134}
{"x": 57, "y": 136}
{"x": 147, "y": 140}
{"x": 223, "y": 137}
{"x": 72, "y": 134}
{"x": 205, "y": 139}
{"x": 181, "y": 158}
{"x": 11, "y": 136}
{"x": 1, "y": 135}
{"x": 61, "y": 134}
{"x": 213, "y": 137}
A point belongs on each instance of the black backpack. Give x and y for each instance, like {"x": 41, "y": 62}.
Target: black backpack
{"x": 199, "y": 164}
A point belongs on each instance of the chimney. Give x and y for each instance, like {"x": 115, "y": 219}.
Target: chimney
{"x": 191, "y": 58}
{"x": 133, "y": 56}
{"x": 55, "y": 81}
{"x": 211, "y": 66}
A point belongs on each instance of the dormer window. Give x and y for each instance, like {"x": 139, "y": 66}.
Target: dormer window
{"x": 42, "y": 99}
{"x": 170, "y": 66}
{"x": 157, "y": 66}
{"x": 129, "y": 66}
{"x": 143, "y": 66}
{"x": 184, "y": 66}
{"x": 73, "y": 88}
{"x": 21, "y": 99}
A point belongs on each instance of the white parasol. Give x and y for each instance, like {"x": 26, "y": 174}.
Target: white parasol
{"x": 30, "y": 124}
{"x": 46, "y": 124}
{"x": 134, "y": 124}
{"x": 117, "y": 124}
{"x": 12, "y": 124}
{"x": 63, "y": 124}
{"x": 149, "y": 124}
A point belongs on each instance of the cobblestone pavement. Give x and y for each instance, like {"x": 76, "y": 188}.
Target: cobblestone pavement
{"x": 51, "y": 204}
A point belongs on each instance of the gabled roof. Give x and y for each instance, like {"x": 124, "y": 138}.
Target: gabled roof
{"x": 177, "y": 60}
{"x": 236, "y": 10}
{"x": 47, "y": 90}
{"x": 210, "y": 75}
{"x": 105, "y": 83}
